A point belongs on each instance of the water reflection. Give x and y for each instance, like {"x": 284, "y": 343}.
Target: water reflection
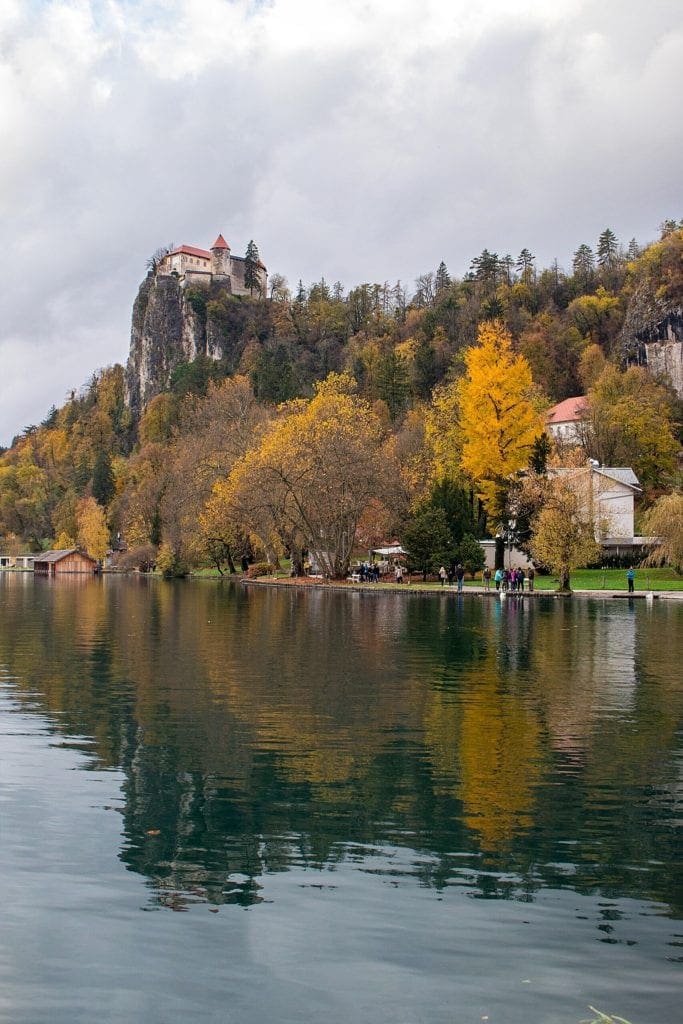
{"x": 502, "y": 747}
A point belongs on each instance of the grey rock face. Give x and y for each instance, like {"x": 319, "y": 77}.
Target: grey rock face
{"x": 652, "y": 335}
{"x": 175, "y": 322}
{"x": 165, "y": 332}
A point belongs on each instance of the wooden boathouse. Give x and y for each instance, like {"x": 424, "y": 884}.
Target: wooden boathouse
{"x": 55, "y": 563}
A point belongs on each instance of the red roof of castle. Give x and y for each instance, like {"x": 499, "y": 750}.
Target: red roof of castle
{"x": 220, "y": 243}
{"x": 569, "y": 411}
{"x": 191, "y": 250}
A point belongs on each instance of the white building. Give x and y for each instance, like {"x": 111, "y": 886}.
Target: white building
{"x": 610, "y": 492}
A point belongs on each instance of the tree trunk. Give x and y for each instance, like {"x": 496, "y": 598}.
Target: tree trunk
{"x": 564, "y": 587}
{"x": 231, "y": 565}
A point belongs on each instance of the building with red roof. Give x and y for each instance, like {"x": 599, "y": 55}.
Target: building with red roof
{"x": 216, "y": 265}
{"x": 564, "y": 419}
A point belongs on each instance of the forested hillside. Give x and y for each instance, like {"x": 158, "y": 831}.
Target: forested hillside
{"x": 344, "y": 414}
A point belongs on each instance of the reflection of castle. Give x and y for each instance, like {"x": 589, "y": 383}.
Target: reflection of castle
{"x": 214, "y": 266}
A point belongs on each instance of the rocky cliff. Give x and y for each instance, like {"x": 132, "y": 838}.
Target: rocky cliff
{"x": 172, "y": 325}
{"x": 652, "y": 335}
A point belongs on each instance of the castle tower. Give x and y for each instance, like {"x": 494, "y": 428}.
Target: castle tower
{"x": 220, "y": 259}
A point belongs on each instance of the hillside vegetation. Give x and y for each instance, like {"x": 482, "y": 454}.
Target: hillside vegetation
{"x": 344, "y": 418}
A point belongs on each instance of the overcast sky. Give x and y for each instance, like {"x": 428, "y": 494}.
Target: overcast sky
{"x": 359, "y": 140}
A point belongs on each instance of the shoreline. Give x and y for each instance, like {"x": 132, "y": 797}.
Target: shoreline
{"x": 425, "y": 590}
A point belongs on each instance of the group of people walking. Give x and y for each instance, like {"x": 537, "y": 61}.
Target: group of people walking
{"x": 504, "y": 579}
{"x": 513, "y": 579}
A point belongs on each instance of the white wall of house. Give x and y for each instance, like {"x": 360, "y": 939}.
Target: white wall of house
{"x": 610, "y": 492}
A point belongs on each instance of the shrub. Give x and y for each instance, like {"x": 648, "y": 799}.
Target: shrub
{"x": 260, "y": 569}
{"x": 142, "y": 558}
{"x": 170, "y": 563}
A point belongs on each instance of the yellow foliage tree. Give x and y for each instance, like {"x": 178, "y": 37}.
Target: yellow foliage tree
{"x": 312, "y": 476}
{"x": 486, "y": 423}
{"x": 93, "y": 533}
{"x": 64, "y": 542}
{"x": 629, "y": 422}
{"x": 563, "y": 532}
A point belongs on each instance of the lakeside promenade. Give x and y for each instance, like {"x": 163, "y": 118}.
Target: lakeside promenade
{"x": 474, "y": 589}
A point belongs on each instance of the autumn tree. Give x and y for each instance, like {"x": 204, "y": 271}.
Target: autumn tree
{"x": 486, "y": 423}
{"x": 665, "y": 522}
{"x": 629, "y": 422}
{"x": 93, "y": 533}
{"x": 563, "y": 532}
{"x": 591, "y": 365}
{"x": 139, "y": 508}
{"x": 212, "y": 434}
{"x": 553, "y": 350}
{"x": 598, "y": 317}
{"x": 310, "y": 479}
{"x": 24, "y": 494}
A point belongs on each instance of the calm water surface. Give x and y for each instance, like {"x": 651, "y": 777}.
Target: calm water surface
{"x": 231, "y": 804}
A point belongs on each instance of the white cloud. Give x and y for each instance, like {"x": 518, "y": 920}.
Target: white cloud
{"x": 359, "y": 141}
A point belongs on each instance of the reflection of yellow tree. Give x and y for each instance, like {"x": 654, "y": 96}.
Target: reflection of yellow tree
{"x": 487, "y": 749}
{"x": 500, "y": 767}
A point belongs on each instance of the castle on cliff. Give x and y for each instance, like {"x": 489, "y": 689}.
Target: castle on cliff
{"x": 216, "y": 265}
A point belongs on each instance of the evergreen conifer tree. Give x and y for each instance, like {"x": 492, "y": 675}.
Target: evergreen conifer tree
{"x": 252, "y": 260}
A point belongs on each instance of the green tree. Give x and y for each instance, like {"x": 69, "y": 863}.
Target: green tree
{"x": 103, "y": 486}
{"x": 608, "y": 249}
{"x": 525, "y": 265}
{"x": 271, "y": 375}
{"x": 252, "y": 265}
{"x": 425, "y": 370}
{"x": 442, "y": 279}
{"x": 459, "y": 504}
{"x": 583, "y": 265}
{"x": 427, "y": 539}
{"x": 471, "y": 554}
{"x": 393, "y": 383}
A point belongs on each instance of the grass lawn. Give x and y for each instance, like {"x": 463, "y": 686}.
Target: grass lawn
{"x": 615, "y": 579}
{"x": 581, "y": 579}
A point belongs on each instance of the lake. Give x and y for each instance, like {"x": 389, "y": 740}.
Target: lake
{"x": 242, "y": 804}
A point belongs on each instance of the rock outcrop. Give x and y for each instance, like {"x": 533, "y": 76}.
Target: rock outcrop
{"x": 165, "y": 332}
{"x": 652, "y": 335}
{"x": 172, "y": 324}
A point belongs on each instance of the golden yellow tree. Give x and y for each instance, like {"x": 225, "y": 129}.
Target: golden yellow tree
{"x": 93, "y": 533}
{"x": 486, "y": 423}
{"x": 310, "y": 479}
{"x": 64, "y": 542}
